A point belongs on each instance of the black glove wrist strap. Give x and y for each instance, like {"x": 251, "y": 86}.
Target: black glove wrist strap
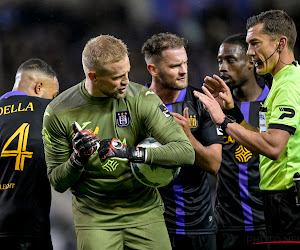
{"x": 78, "y": 161}
{"x": 137, "y": 155}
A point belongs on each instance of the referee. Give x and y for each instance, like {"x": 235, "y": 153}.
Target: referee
{"x": 271, "y": 36}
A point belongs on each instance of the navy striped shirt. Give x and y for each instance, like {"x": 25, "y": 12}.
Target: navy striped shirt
{"x": 188, "y": 206}
{"x": 239, "y": 205}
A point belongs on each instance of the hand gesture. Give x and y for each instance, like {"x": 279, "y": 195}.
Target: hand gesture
{"x": 211, "y": 105}
{"x": 84, "y": 144}
{"x": 184, "y": 121}
{"x": 219, "y": 90}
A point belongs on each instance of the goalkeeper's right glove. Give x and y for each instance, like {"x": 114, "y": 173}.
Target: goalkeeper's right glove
{"x": 116, "y": 150}
{"x": 85, "y": 144}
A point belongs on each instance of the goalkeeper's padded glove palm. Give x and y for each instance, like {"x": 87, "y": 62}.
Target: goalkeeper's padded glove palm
{"x": 116, "y": 150}
{"x": 85, "y": 144}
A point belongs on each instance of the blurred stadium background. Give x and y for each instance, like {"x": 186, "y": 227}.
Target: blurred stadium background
{"x": 57, "y": 30}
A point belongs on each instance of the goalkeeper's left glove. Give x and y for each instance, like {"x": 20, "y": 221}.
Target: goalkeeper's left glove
{"x": 116, "y": 150}
{"x": 84, "y": 144}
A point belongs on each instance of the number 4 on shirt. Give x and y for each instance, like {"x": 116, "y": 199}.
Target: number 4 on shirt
{"x": 20, "y": 153}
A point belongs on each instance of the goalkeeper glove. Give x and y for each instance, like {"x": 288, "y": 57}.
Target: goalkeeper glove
{"x": 115, "y": 149}
{"x": 84, "y": 144}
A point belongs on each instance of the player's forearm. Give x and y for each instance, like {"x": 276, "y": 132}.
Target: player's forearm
{"x": 63, "y": 176}
{"x": 249, "y": 127}
{"x": 270, "y": 143}
{"x": 176, "y": 153}
{"x": 209, "y": 158}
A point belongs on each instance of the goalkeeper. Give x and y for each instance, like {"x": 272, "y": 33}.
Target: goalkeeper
{"x": 111, "y": 209}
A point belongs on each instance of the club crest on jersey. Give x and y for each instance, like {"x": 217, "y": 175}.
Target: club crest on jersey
{"x": 123, "y": 119}
{"x": 193, "y": 121}
{"x": 165, "y": 110}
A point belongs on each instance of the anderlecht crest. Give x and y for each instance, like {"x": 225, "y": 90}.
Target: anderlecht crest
{"x": 123, "y": 119}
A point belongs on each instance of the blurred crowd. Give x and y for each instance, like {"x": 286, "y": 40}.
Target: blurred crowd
{"x": 56, "y": 31}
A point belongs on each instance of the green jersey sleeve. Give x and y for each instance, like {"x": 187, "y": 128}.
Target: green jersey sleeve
{"x": 285, "y": 107}
{"x": 60, "y": 172}
{"x": 176, "y": 149}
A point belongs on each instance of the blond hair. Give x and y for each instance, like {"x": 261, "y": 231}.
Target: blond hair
{"x": 103, "y": 50}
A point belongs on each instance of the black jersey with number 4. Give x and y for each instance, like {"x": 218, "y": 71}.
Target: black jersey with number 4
{"x": 188, "y": 207}
{"x": 25, "y": 193}
{"x": 239, "y": 205}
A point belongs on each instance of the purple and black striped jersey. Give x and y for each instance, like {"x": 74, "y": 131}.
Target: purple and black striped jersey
{"x": 25, "y": 193}
{"x": 187, "y": 200}
{"x": 239, "y": 205}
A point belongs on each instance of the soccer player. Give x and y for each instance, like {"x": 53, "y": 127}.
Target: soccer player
{"x": 239, "y": 206}
{"x": 189, "y": 213}
{"x": 271, "y": 36}
{"x": 111, "y": 208}
{"x": 25, "y": 193}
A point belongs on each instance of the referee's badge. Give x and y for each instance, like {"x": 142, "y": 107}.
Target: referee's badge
{"x": 123, "y": 119}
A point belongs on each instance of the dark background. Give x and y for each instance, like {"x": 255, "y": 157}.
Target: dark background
{"x": 57, "y": 30}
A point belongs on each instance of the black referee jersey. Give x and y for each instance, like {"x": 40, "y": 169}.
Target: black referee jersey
{"x": 239, "y": 205}
{"x": 25, "y": 193}
{"x": 188, "y": 206}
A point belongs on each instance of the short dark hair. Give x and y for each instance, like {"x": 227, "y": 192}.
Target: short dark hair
{"x": 155, "y": 45}
{"x": 239, "y": 39}
{"x": 276, "y": 23}
{"x": 37, "y": 65}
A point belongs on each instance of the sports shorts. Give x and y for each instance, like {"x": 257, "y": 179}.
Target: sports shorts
{"x": 193, "y": 242}
{"x": 152, "y": 236}
{"x": 236, "y": 240}
{"x": 282, "y": 217}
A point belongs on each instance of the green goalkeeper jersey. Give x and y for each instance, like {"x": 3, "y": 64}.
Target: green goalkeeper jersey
{"x": 107, "y": 195}
{"x": 281, "y": 110}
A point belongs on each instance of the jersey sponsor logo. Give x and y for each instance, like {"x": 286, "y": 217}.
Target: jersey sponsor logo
{"x": 193, "y": 121}
{"x": 228, "y": 139}
{"x": 84, "y": 124}
{"x": 288, "y": 113}
{"x": 7, "y": 186}
{"x": 110, "y": 165}
{"x": 242, "y": 154}
{"x": 165, "y": 110}
{"x": 123, "y": 119}
{"x": 149, "y": 93}
{"x": 9, "y": 109}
